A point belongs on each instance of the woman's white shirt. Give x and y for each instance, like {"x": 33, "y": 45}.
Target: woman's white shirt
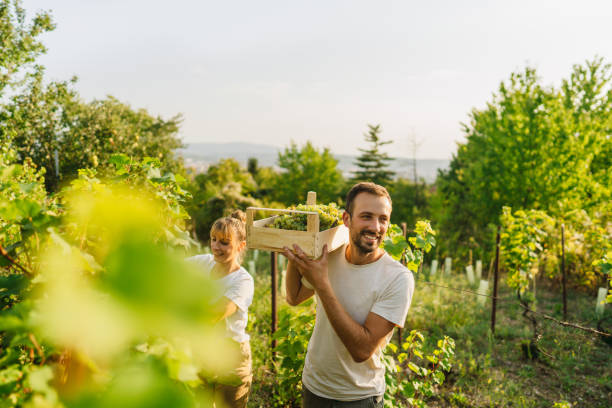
{"x": 238, "y": 287}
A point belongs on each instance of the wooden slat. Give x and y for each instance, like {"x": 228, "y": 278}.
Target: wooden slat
{"x": 281, "y": 210}
{"x": 311, "y": 198}
{"x": 312, "y": 223}
{"x": 311, "y": 241}
{"x": 272, "y": 239}
{"x": 333, "y": 237}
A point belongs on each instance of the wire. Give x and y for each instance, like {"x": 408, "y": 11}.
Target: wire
{"x": 544, "y": 315}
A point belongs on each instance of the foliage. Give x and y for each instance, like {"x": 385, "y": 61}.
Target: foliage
{"x": 100, "y": 309}
{"x": 409, "y": 382}
{"x": 523, "y": 238}
{"x": 307, "y": 169}
{"x": 48, "y": 120}
{"x": 329, "y": 217}
{"x": 588, "y": 237}
{"x": 294, "y": 330}
{"x": 372, "y": 163}
{"x": 411, "y": 202}
{"x": 20, "y": 43}
{"x": 410, "y": 252}
{"x": 224, "y": 186}
{"x": 531, "y": 147}
{"x": 605, "y": 264}
{"x": 25, "y": 210}
{"x": 531, "y": 243}
{"x": 265, "y": 178}
{"x": 416, "y": 374}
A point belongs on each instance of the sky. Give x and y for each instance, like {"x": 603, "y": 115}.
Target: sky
{"x": 272, "y": 72}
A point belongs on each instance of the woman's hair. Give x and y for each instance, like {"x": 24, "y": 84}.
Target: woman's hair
{"x": 233, "y": 226}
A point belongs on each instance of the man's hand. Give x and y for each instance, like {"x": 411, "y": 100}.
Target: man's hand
{"x": 315, "y": 271}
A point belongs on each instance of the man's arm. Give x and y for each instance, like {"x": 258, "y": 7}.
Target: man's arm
{"x": 360, "y": 340}
{"x": 296, "y": 291}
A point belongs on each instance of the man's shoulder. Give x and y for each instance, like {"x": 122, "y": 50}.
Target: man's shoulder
{"x": 396, "y": 271}
{"x": 394, "y": 265}
{"x": 338, "y": 252}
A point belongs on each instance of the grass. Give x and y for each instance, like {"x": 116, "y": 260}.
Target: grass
{"x": 489, "y": 371}
{"x": 492, "y": 371}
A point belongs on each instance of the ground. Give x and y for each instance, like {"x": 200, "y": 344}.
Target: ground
{"x": 489, "y": 371}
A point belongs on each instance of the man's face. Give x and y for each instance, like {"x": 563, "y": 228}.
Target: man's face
{"x": 369, "y": 222}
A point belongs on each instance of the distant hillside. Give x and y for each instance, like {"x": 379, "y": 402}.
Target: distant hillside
{"x": 202, "y": 155}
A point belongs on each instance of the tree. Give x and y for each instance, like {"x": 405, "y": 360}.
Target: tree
{"x": 224, "y": 187}
{"x": 253, "y": 166}
{"x": 307, "y": 169}
{"x": 45, "y": 122}
{"x": 19, "y": 40}
{"x": 531, "y": 147}
{"x": 374, "y": 164}
{"x": 410, "y": 201}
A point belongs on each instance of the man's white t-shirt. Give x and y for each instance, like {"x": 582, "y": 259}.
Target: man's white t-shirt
{"x": 238, "y": 287}
{"x": 384, "y": 287}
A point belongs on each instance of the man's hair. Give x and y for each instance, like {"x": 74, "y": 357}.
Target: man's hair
{"x": 365, "y": 187}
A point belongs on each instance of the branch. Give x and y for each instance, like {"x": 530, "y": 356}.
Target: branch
{"x": 15, "y": 263}
{"x": 566, "y": 324}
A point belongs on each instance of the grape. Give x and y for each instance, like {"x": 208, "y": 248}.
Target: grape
{"x": 329, "y": 216}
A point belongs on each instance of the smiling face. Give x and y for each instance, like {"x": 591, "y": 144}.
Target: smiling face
{"x": 369, "y": 222}
{"x": 225, "y": 247}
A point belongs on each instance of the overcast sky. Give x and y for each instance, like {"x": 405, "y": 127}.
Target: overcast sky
{"x": 274, "y": 71}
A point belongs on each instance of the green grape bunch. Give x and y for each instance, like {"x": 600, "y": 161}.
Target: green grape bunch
{"x": 329, "y": 216}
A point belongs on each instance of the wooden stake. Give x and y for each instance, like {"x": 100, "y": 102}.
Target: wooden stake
{"x": 274, "y": 274}
{"x": 495, "y": 278}
{"x": 563, "y": 271}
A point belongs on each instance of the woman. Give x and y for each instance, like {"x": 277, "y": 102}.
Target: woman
{"x": 227, "y": 243}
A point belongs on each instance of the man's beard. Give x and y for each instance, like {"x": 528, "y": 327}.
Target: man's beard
{"x": 363, "y": 249}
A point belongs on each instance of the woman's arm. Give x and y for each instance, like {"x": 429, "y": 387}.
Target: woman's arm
{"x": 226, "y": 308}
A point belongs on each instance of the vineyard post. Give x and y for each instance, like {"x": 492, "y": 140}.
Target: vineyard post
{"x": 399, "y": 329}
{"x": 563, "y": 271}
{"x": 495, "y": 278}
{"x": 273, "y": 271}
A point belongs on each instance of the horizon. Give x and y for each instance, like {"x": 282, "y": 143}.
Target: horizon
{"x": 273, "y": 72}
{"x": 279, "y": 148}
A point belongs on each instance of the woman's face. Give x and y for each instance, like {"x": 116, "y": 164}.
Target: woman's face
{"x": 224, "y": 247}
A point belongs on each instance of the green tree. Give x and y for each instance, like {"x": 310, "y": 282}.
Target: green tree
{"x": 531, "y": 147}
{"x": 61, "y": 258}
{"x": 307, "y": 169}
{"x": 410, "y": 201}
{"x": 48, "y": 120}
{"x": 224, "y": 187}
{"x": 19, "y": 43}
{"x": 373, "y": 164}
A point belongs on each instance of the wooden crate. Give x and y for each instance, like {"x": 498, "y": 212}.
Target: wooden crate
{"x": 311, "y": 241}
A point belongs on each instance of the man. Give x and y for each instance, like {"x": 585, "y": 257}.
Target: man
{"x": 362, "y": 294}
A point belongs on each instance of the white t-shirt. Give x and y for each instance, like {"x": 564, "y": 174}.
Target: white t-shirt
{"x": 384, "y": 287}
{"x": 238, "y": 287}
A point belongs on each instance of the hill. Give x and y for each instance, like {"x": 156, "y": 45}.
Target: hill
{"x": 202, "y": 155}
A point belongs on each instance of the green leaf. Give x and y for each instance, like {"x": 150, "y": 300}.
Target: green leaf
{"x": 9, "y": 379}
{"x": 415, "y": 368}
{"x": 13, "y": 284}
{"x": 28, "y": 187}
{"x": 119, "y": 159}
